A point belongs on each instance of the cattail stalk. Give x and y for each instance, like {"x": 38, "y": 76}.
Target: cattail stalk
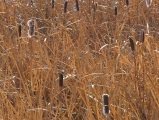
{"x": 60, "y": 79}
{"x": 106, "y": 110}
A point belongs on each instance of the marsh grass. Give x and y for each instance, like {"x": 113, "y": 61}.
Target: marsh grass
{"x": 94, "y": 52}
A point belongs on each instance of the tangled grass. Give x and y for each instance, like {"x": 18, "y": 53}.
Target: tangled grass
{"x": 77, "y": 51}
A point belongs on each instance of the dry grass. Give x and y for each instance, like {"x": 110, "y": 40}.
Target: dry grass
{"x": 90, "y": 49}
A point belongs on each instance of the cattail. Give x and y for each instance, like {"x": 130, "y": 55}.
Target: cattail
{"x": 65, "y": 6}
{"x": 115, "y": 10}
{"x": 106, "y": 110}
{"x": 31, "y": 2}
{"x": 31, "y": 30}
{"x": 132, "y": 44}
{"x": 60, "y": 79}
{"x": 93, "y": 6}
{"x": 127, "y": 2}
{"x": 30, "y": 23}
{"x": 52, "y": 3}
{"x": 148, "y": 3}
{"x": 142, "y": 35}
{"x": 19, "y": 29}
{"x": 77, "y": 5}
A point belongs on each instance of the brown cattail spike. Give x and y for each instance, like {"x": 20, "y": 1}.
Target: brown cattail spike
{"x": 52, "y": 3}
{"x": 19, "y": 29}
{"x": 106, "y": 110}
{"x": 93, "y": 6}
{"x": 60, "y": 79}
{"x": 142, "y": 35}
{"x": 31, "y": 30}
{"x": 148, "y": 3}
{"x": 132, "y": 44}
{"x": 127, "y": 2}
{"x": 77, "y": 5}
{"x": 65, "y": 6}
{"x": 115, "y": 10}
{"x": 31, "y": 2}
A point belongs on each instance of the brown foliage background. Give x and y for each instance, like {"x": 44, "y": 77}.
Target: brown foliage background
{"x": 91, "y": 49}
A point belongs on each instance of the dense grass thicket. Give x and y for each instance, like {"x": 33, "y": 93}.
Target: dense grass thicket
{"x": 57, "y": 60}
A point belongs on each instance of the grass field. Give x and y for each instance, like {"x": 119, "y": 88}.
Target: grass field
{"x": 106, "y": 47}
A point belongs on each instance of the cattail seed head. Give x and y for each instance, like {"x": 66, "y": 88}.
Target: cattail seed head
{"x": 127, "y": 2}
{"x": 148, "y": 3}
{"x": 93, "y": 6}
{"x": 132, "y": 44}
{"x": 31, "y": 30}
{"x": 142, "y": 35}
{"x": 115, "y": 10}
{"x": 31, "y": 2}
{"x": 52, "y": 3}
{"x": 106, "y": 110}
{"x": 65, "y": 6}
{"x": 77, "y": 5}
{"x": 30, "y": 23}
{"x": 60, "y": 79}
{"x": 19, "y": 30}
